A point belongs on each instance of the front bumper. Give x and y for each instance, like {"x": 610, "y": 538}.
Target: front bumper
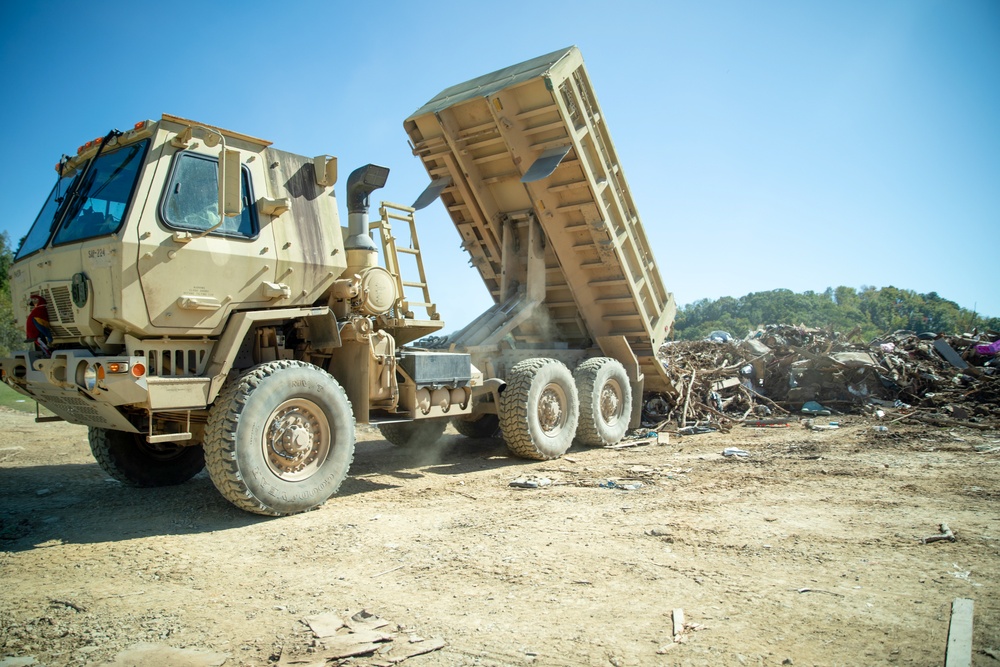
{"x": 79, "y": 387}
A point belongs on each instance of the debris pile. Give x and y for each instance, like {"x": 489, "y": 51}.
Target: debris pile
{"x": 359, "y": 634}
{"x": 709, "y": 381}
{"x": 776, "y": 371}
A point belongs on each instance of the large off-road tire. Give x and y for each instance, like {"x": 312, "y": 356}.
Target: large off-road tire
{"x": 484, "y": 426}
{"x": 128, "y": 458}
{"x": 420, "y": 433}
{"x": 605, "y": 401}
{"x": 539, "y": 409}
{"x": 280, "y": 438}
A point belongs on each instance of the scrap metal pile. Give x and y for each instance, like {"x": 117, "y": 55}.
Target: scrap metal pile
{"x": 779, "y": 370}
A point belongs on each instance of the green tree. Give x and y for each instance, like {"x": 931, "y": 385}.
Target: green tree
{"x": 11, "y": 336}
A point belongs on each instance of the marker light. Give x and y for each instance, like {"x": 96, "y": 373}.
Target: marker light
{"x": 138, "y": 370}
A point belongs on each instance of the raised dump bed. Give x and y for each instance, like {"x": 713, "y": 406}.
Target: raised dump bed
{"x": 526, "y": 168}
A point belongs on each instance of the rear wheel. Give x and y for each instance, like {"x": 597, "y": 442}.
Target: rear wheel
{"x": 418, "y": 433}
{"x": 539, "y": 409}
{"x": 280, "y": 438}
{"x": 605, "y": 401}
{"x": 483, "y": 426}
{"x": 128, "y": 458}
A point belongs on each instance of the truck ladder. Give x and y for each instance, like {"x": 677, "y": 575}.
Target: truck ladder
{"x": 390, "y": 253}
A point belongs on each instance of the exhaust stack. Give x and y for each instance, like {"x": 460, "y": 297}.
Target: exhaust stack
{"x": 360, "y": 184}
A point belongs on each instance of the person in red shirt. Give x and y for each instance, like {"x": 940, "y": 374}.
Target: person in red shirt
{"x": 37, "y": 326}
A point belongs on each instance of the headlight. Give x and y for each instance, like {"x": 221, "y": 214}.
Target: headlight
{"x": 92, "y": 375}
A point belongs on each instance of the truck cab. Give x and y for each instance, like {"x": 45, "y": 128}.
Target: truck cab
{"x": 178, "y": 259}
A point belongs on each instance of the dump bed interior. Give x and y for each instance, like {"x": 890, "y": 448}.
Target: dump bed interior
{"x": 526, "y": 146}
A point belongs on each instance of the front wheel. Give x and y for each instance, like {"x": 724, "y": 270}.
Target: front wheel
{"x": 280, "y": 438}
{"x": 128, "y": 458}
{"x": 538, "y": 409}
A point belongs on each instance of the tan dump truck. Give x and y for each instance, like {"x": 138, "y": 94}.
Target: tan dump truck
{"x": 525, "y": 167}
{"x": 197, "y": 303}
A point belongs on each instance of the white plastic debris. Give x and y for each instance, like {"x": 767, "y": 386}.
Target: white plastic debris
{"x": 735, "y": 451}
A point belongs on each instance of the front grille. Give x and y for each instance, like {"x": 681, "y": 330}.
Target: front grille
{"x": 175, "y": 358}
{"x": 62, "y": 318}
{"x": 63, "y": 332}
{"x": 78, "y": 409}
{"x": 60, "y": 299}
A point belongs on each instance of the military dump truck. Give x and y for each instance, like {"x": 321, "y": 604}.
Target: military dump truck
{"x": 524, "y": 164}
{"x": 197, "y": 303}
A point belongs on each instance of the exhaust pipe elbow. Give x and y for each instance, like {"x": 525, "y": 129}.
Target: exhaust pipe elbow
{"x": 360, "y": 184}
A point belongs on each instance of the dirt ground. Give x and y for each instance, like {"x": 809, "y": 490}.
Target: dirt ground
{"x": 807, "y": 552}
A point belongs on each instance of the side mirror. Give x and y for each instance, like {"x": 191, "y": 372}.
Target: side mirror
{"x": 230, "y": 184}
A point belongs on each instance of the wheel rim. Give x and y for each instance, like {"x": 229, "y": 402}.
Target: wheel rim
{"x": 296, "y": 440}
{"x": 552, "y": 409}
{"x": 611, "y": 401}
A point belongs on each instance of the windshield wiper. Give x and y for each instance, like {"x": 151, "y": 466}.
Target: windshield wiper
{"x": 74, "y": 190}
{"x": 113, "y": 175}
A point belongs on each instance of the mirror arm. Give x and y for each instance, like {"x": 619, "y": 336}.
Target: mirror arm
{"x": 230, "y": 203}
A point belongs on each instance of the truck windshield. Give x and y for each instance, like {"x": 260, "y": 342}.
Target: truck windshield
{"x": 98, "y": 205}
{"x": 41, "y": 230}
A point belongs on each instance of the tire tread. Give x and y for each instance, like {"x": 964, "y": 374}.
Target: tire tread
{"x": 513, "y": 409}
{"x": 119, "y": 460}
{"x": 220, "y": 437}
{"x": 589, "y": 431}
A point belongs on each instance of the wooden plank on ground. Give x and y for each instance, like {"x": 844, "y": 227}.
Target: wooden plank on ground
{"x": 678, "y": 618}
{"x": 959, "y": 651}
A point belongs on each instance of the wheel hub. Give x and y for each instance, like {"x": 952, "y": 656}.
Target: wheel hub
{"x": 551, "y": 414}
{"x": 610, "y": 402}
{"x": 296, "y": 440}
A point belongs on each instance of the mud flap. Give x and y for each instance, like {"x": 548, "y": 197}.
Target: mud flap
{"x": 431, "y": 192}
{"x": 545, "y": 164}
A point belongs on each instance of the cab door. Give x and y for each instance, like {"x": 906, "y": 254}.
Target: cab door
{"x": 194, "y": 271}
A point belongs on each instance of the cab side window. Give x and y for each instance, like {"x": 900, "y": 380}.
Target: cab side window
{"x": 191, "y": 201}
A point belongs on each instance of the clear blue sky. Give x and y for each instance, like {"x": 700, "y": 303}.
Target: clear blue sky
{"x": 798, "y": 145}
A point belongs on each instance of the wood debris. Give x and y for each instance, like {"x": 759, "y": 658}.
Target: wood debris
{"x": 414, "y": 650}
{"x": 817, "y": 590}
{"x": 324, "y": 625}
{"x": 765, "y": 379}
{"x": 67, "y": 603}
{"x": 678, "y": 619}
{"x": 959, "y": 649}
{"x": 946, "y": 534}
{"x": 681, "y": 629}
{"x": 360, "y": 634}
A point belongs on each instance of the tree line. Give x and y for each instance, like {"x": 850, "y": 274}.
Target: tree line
{"x": 872, "y": 311}
{"x": 11, "y": 336}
